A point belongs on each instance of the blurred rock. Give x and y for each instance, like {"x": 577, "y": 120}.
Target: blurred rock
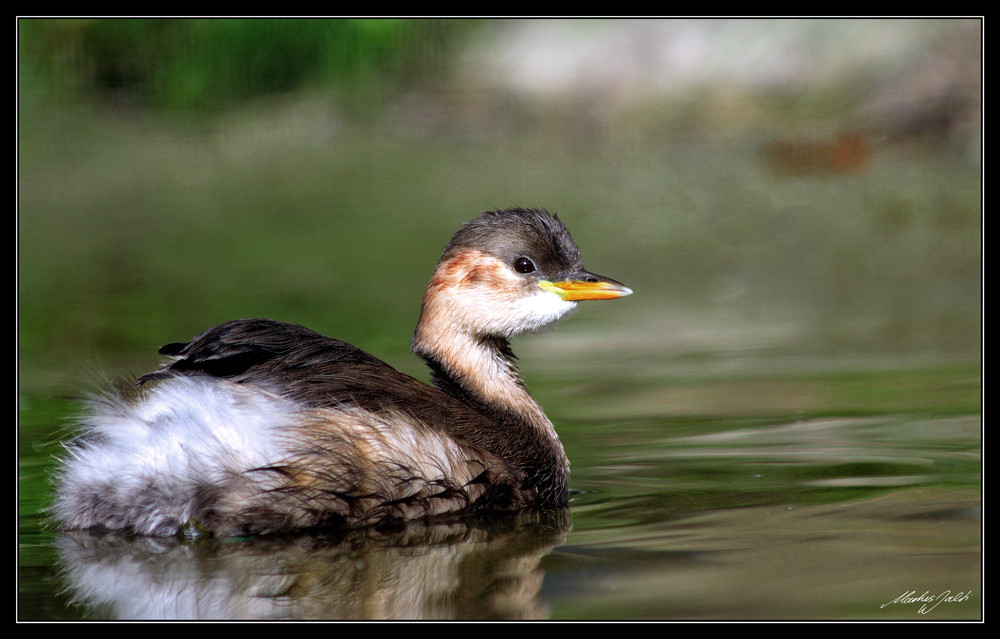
{"x": 845, "y": 153}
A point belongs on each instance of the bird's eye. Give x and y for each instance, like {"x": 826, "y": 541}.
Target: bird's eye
{"x": 524, "y": 265}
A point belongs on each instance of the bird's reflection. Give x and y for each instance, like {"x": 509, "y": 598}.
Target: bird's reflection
{"x": 484, "y": 568}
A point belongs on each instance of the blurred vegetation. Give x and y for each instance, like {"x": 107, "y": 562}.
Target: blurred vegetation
{"x": 178, "y": 172}
{"x": 206, "y": 64}
{"x": 138, "y": 222}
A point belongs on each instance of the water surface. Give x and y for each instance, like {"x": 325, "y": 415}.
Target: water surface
{"x": 673, "y": 517}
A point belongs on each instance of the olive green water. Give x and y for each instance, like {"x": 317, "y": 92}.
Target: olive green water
{"x": 784, "y": 421}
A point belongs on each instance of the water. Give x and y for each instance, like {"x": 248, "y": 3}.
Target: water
{"x": 823, "y": 519}
{"x": 812, "y": 519}
{"x": 674, "y": 517}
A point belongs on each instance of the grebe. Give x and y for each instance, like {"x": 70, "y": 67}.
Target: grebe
{"x": 263, "y": 427}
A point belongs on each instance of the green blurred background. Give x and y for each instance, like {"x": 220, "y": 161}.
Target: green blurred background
{"x": 796, "y": 203}
{"x": 778, "y": 190}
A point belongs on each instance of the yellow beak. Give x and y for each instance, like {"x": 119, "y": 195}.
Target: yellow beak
{"x": 584, "y": 285}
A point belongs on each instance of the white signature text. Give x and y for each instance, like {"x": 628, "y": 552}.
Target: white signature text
{"x": 928, "y": 601}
